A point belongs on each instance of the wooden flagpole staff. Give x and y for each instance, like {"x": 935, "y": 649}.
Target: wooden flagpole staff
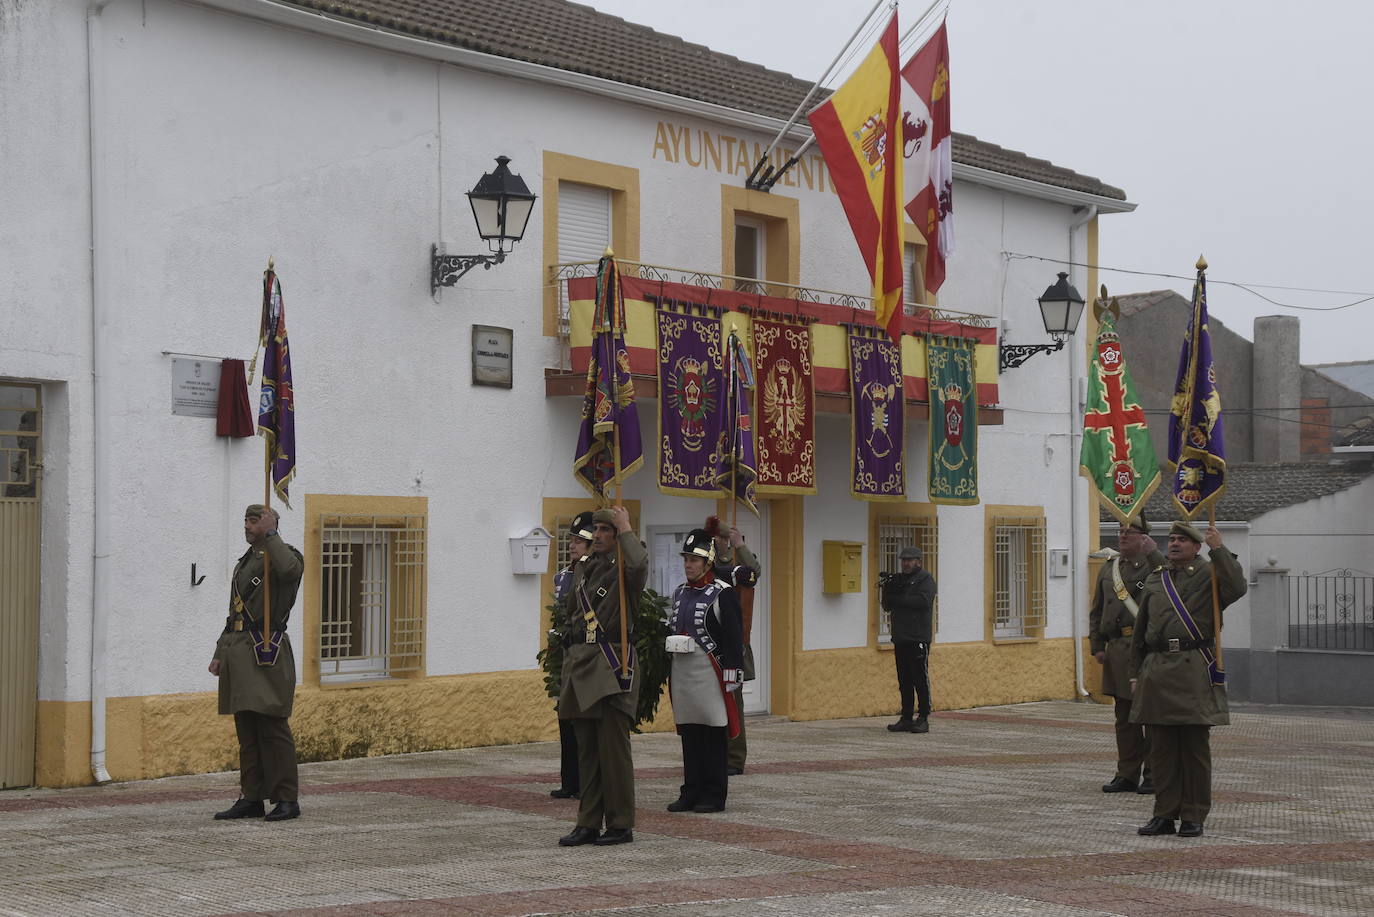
{"x": 267, "y": 494}
{"x": 1216, "y": 597}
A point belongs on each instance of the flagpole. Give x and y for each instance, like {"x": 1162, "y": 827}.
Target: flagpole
{"x": 267, "y": 481}
{"x": 1216, "y": 598}
{"x": 620, "y": 564}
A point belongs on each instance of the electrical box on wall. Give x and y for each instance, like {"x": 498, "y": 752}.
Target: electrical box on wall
{"x": 842, "y": 566}
{"x": 1059, "y": 562}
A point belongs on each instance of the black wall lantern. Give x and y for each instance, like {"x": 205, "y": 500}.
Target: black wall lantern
{"x": 1060, "y": 309}
{"x": 501, "y": 205}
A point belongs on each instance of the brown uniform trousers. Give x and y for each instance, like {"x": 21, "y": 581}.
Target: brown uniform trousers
{"x": 1110, "y": 625}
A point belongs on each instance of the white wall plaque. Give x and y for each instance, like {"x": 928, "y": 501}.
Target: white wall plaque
{"x": 195, "y": 387}
{"x": 491, "y": 356}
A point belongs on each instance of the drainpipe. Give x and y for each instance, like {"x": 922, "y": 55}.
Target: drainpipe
{"x": 100, "y": 361}
{"x": 1074, "y": 598}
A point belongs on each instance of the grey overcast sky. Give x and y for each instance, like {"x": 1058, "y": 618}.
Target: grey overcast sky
{"x": 1240, "y": 128}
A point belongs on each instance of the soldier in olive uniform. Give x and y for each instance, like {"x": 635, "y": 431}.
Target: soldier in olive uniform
{"x": 257, "y": 684}
{"x": 1111, "y": 622}
{"x": 1174, "y": 694}
{"x": 732, "y": 553}
{"x": 579, "y": 544}
{"x": 601, "y": 707}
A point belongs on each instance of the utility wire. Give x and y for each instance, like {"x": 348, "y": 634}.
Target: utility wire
{"x": 1250, "y": 288}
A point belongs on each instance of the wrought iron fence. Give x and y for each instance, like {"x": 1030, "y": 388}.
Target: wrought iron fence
{"x": 1331, "y": 610}
{"x": 559, "y": 274}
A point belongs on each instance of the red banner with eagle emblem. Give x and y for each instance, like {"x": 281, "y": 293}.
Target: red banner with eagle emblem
{"x": 786, "y": 438}
{"x": 691, "y": 406}
{"x": 953, "y": 477}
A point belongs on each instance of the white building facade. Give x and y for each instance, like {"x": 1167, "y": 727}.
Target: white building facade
{"x": 158, "y": 153}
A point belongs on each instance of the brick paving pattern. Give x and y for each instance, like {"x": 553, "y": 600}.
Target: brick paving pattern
{"x": 995, "y": 811}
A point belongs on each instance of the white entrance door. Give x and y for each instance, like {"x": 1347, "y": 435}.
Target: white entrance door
{"x": 665, "y": 545}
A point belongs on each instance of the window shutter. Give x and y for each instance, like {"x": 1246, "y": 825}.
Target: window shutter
{"x": 584, "y": 222}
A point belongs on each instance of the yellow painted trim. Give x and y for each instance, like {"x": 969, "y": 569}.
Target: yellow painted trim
{"x": 860, "y": 681}
{"x": 991, "y": 512}
{"x": 621, "y": 181}
{"x": 782, "y": 233}
{"x": 910, "y": 510}
{"x": 308, "y": 604}
{"x": 786, "y": 546}
{"x": 62, "y": 743}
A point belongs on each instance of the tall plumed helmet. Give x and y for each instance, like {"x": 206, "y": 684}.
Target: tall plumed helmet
{"x": 699, "y": 544}
{"x": 713, "y": 527}
{"x": 581, "y": 526}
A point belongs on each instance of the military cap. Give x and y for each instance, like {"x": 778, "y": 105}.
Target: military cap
{"x": 699, "y": 543}
{"x": 604, "y": 516}
{"x": 1139, "y": 523}
{"x": 581, "y": 526}
{"x": 1186, "y": 530}
{"x": 911, "y": 553}
{"x": 254, "y": 511}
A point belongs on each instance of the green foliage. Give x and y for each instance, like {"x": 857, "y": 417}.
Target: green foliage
{"x": 651, "y": 628}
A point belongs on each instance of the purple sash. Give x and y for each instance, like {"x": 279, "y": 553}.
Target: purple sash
{"x": 266, "y": 646}
{"x": 613, "y": 659}
{"x": 1218, "y": 677}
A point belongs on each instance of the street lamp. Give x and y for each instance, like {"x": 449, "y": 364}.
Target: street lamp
{"x": 501, "y": 206}
{"x": 1060, "y": 309}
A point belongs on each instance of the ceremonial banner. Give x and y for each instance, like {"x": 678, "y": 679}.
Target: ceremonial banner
{"x": 786, "y": 408}
{"x": 691, "y": 419}
{"x": 609, "y": 418}
{"x": 738, "y": 474}
{"x": 953, "y": 478}
{"x": 1117, "y": 455}
{"x": 277, "y": 404}
{"x": 879, "y": 417}
{"x": 859, "y": 133}
{"x": 927, "y": 149}
{"x": 1196, "y": 444}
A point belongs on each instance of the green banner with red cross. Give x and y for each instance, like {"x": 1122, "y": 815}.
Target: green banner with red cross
{"x": 1117, "y": 455}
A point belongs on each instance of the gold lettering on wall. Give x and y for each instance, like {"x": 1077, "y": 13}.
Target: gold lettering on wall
{"x": 702, "y": 149}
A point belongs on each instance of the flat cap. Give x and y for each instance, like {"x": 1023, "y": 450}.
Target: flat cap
{"x": 254, "y": 511}
{"x": 604, "y": 515}
{"x": 1139, "y": 523}
{"x": 1186, "y": 530}
{"x": 911, "y": 553}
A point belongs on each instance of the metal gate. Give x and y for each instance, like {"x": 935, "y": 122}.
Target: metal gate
{"x": 21, "y": 420}
{"x": 1332, "y": 610}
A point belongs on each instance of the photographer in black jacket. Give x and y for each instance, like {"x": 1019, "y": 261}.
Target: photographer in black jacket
{"x": 907, "y": 597}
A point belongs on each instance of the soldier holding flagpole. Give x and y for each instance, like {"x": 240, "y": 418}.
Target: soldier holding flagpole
{"x": 1179, "y": 689}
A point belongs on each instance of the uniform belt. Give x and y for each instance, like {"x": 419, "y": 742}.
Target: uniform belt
{"x": 1174, "y": 645}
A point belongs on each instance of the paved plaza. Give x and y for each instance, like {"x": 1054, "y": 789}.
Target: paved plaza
{"x": 996, "y": 811}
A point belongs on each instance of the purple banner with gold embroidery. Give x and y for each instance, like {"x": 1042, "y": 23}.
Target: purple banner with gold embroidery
{"x": 879, "y": 412}
{"x": 608, "y": 443}
{"x": 1196, "y": 442}
{"x": 691, "y": 404}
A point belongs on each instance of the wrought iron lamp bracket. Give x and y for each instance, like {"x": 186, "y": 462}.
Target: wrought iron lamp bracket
{"x": 446, "y": 269}
{"x": 1010, "y": 356}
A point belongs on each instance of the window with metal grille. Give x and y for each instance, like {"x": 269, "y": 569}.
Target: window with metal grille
{"x": 1018, "y": 550}
{"x": 895, "y": 533}
{"x": 372, "y": 596}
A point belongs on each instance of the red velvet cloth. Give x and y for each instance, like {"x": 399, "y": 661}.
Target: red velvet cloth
{"x": 235, "y": 417}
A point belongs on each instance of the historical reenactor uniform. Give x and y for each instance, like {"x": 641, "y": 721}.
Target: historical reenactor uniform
{"x": 257, "y": 675}
{"x": 600, "y": 702}
{"x": 569, "y": 785}
{"x": 909, "y": 597}
{"x": 1177, "y": 696}
{"x": 705, "y": 650}
{"x": 728, "y": 560}
{"x": 1111, "y": 622}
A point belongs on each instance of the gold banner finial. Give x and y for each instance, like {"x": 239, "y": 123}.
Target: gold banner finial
{"x": 1201, "y": 263}
{"x": 609, "y": 253}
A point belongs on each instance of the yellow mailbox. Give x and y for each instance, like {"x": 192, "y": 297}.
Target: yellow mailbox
{"x": 842, "y": 566}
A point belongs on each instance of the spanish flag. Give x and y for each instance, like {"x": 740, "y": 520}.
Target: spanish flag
{"x": 859, "y": 132}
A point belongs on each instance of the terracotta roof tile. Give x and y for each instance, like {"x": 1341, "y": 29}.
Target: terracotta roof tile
{"x": 577, "y": 38}
{"x": 1256, "y": 488}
